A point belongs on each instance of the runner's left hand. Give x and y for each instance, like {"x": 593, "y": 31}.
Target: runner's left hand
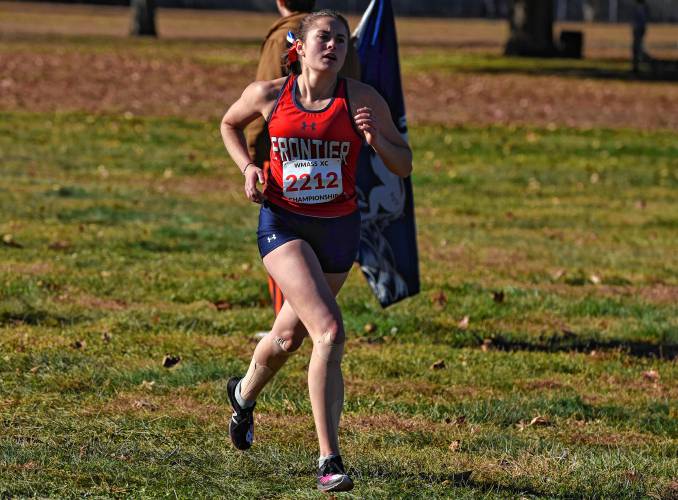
{"x": 366, "y": 123}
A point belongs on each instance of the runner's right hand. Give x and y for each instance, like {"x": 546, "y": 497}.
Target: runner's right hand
{"x": 253, "y": 175}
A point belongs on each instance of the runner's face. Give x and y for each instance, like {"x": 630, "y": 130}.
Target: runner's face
{"x": 325, "y": 45}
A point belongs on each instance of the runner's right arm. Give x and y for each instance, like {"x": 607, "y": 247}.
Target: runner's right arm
{"x": 256, "y": 100}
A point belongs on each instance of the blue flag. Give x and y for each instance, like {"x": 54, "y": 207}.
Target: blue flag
{"x": 388, "y": 244}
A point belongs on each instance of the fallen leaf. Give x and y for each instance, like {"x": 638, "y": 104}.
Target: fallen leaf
{"x": 632, "y": 475}
{"x": 539, "y": 421}
{"x": 147, "y": 385}
{"x": 557, "y": 274}
{"x": 498, "y": 297}
{"x": 463, "y": 324}
{"x": 455, "y": 445}
{"x": 651, "y": 375}
{"x": 169, "y": 361}
{"x": 9, "y": 241}
{"x": 460, "y": 420}
{"x": 486, "y": 345}
{"x": 59, "y": 245}
{"x": 106, "y": 337}
{"x": 568, "y": 334}
{"x": 438, "y": 365}
{"x": 595, "y": 279}
{"x": 222, "y": 305}
{"x": 439, "y": 299}
{"x": 370, "y": 328}
{"x": 142, "y": 404}
{"x": 79, "y": 344}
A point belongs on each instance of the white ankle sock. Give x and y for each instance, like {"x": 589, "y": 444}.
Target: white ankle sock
{"x": 244, "y": 403}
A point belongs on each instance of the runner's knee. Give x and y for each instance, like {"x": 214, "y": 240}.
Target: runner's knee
{"x": 289, "y": 341}
{"x": 330, "y": 344}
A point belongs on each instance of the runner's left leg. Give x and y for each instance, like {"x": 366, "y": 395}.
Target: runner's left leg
{"x": 285, "y": 337}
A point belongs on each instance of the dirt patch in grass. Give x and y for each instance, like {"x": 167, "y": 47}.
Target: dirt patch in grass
{"x": 414, "y": 389}
{"x": 178, "y": 405}
{"x": 183, "y": 405}
{"x": 192, "y": 186}
{"x": 93, "y": 302}
{"x": 598, "y": 437}
{"x": 117, "y": 82}
{"x": 659, "y": 294}
{"x": 539, "y": 100}
{"x": 542, "y": 384}
{"x": 32, "y": 269}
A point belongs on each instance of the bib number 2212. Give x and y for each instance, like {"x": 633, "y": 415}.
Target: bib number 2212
{"x": 312, "y": 181}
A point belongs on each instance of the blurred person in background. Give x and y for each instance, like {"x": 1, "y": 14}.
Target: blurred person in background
{"x": 272, "y": 66}
{"x": 641, "y": 15}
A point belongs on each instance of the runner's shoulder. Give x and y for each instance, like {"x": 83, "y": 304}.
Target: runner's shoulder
{"x": 361, "y": 92}
{"x": 265, "y": 90}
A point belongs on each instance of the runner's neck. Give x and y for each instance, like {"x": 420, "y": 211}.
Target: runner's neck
{"x": 315, "y": 90}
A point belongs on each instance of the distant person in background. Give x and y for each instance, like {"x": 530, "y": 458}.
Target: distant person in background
{"x": 271, "y": 66}
{"x": 641, "y": 15}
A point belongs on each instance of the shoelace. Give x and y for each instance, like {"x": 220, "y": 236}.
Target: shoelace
{"x": 331, "y": 467}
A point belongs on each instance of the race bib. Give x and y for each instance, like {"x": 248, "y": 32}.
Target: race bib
{"x": 312, "y": 181}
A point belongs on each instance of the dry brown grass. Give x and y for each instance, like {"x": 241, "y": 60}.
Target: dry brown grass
{"x": 601, "y": 40}
{"x": 175, "y": 82}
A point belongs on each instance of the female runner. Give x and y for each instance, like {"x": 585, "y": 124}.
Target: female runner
{"x": 309, "y": 223}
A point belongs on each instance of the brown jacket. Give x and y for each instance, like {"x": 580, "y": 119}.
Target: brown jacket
{"x": 271, "y": 67}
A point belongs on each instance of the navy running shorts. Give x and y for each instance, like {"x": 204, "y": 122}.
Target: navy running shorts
{"x": 334, "y": 240}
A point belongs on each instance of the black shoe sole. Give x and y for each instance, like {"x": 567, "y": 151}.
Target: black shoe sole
{"x": 230, "y": 390}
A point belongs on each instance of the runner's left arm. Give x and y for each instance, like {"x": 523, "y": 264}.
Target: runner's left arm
{"x": 374, "y": 120}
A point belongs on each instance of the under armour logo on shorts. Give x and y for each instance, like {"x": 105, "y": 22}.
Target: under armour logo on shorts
{"x": 270, "y": 238}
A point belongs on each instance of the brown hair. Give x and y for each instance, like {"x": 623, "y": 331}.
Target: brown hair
{"x": 306, "y": 24}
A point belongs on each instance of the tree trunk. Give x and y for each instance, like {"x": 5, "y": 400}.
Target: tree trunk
{"x": 143, "y": 18}
{"x": 531, "y": 24}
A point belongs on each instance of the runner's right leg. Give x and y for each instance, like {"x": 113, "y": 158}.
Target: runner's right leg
{"x": 295, "y": 267}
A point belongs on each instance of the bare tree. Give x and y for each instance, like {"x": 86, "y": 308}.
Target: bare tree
{"x": 143, "y": 18}
{"x": 531, "y": 24}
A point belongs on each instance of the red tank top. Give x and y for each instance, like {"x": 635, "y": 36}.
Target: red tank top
{"x": 314, "y": 155}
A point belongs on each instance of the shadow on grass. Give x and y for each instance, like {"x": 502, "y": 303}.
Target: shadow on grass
{"x": 631, "y": 347}
{"x": 462, "y": 479}
{"x": 660, "y": 71}
{"x": 37, "y": 317}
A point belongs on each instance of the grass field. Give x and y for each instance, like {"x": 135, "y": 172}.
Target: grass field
{"x": 126, "y": 237}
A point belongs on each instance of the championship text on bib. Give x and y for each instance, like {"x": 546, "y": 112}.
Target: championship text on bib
{"x": 313, "y": 180}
